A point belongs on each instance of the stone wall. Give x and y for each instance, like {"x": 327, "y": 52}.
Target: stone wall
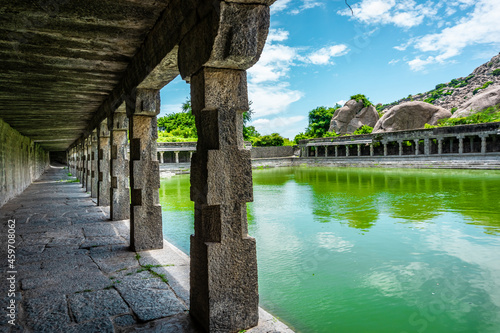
{"x": 270, "y": 152}
{"x": 21, "y": 162}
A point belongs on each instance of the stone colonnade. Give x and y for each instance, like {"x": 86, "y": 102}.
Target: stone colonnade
{"x": 213, "y": 57}
{"x": 427, "y": 144}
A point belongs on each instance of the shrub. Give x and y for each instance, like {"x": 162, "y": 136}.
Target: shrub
{"x": 365, "y": 129}
{"x": 483, "y": 87}
{"x": 360, "y": 97}
{"x": 441, "y": 85}
{"x": 491, "y": 114}
{"x": 453, "y": 110}
{"x": 271, "y": 140}
{"x": 496, "y": 72}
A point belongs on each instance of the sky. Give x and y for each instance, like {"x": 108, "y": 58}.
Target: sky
{"x": 318, "y": 54}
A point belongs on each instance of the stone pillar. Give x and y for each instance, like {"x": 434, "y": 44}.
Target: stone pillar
{"x": 326, "y": 151}
{"x": 190, "y": 155}
{"x": 427, "y": 146}
{"x": 213, "y": 57}
{"x": 359, "y": 150}
{"x": 451, "y": 145}
{"x": 221, "y": 185}
{"x": 88, "y": 165}
{"x": 400, "y": 143}
{"x": 440, "y": 146}
{"x": 417, "y": 146}
{"x": 81, "y": 156}
{"x": 483, "y": 143}
{"x": 118, "y": 166}
{"x": 161, "y": 157}
{"x": 336, "y": 151}
{"x": 372, "y": 152}
{"x": 103, "y": 171}
{"x": 471, "y": 140}
{"x": 93, "y": 164}
{"x": 460, "y": 144}
{"x": 176, "y": 157}
{"x": 145, "y": 210}
{"x": 347, "y": 150}
{"x": 385, "y": 147}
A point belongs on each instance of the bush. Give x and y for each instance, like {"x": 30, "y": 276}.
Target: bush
{"x": 365, "y": 129}
{"x": 483, "y": 87}
{"x": 271, "y": 140}
{"x": 441, "y": 85}
{"x": 491, "y": 114}
{"x": 453, "y": 110}
{"x": 360, "y": 97}
{"x": 496, "y": 72}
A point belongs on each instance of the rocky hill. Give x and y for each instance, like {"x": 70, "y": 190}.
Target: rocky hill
{"x": 452, "y": 94}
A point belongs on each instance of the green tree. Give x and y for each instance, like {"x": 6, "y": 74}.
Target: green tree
{"x": 271, "y": 140}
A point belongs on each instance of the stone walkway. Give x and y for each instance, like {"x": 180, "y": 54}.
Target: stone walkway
{"x": 74, "y": 272}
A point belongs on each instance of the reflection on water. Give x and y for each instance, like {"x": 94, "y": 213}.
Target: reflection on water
{"x": 369, "y": 250}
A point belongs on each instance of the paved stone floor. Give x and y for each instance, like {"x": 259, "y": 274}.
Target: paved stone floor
{"x": 74, "y": 272}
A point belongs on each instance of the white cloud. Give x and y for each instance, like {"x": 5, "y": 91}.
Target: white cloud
{"x": 170, "y": 108}
{"x": 267, "y": 86}
{"x": 270, "y": 99}
{"x": 341, "y": 102}
{"x": 394, "y": 61}
{"x": 401, "y": 13}
{"x": 279, "y": 6}
{"x": 479, "y": 27}
{"x": 323, "y": 56}
{"x": 278, "y": 124}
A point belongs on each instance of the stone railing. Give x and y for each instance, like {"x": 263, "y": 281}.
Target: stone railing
{"x": 457, "y": 140}
{"x": 180, "y": 152}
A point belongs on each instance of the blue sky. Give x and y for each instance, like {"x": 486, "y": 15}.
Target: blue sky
{"x": 317, "y": 54}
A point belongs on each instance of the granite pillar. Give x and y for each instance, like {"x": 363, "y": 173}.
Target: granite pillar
{"x": 145, "y": 210}
{"x": 119, "y": 189}
{"x": 103, "y": 184}
{"x": 224, "y": 289}
{"x": 93, "y": 164}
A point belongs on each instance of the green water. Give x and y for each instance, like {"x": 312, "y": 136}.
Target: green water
{"x": 369, "y": 250}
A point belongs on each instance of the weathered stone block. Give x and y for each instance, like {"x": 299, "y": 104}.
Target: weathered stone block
{"x": 232, "y": 36}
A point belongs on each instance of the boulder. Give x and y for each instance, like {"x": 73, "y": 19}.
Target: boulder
{"x": 410, "y": 115}
{"x": 352, "y": 116}
{"x": 490, "y": 97}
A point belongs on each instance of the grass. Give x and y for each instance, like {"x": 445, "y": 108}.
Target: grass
{"x": 490, "y": 115}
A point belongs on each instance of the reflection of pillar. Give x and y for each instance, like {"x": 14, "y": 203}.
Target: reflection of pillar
{"x": 145, "y": 210}
{"x": 385, "y": 147}
{"x": 460, "y": 144}
{"x": 176, "y": 157}
{"x": 93, "y": 165}
{"x": 483, "y": 143}
{"x": 119, "y": 190}
{"x": 359, "y": 150}
{"x": 326, "y": 151}
{"x": 440, "y": 146}
{"x": 400, "y": 143}
{"x": 427, "y": 146}
{"x": 417, "y": 146}
{"x": 103, "y": 185}
{"x": 336, "y": 151}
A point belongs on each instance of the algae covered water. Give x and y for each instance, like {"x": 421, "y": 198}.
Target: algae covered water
{"x": 369, "y": 250}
